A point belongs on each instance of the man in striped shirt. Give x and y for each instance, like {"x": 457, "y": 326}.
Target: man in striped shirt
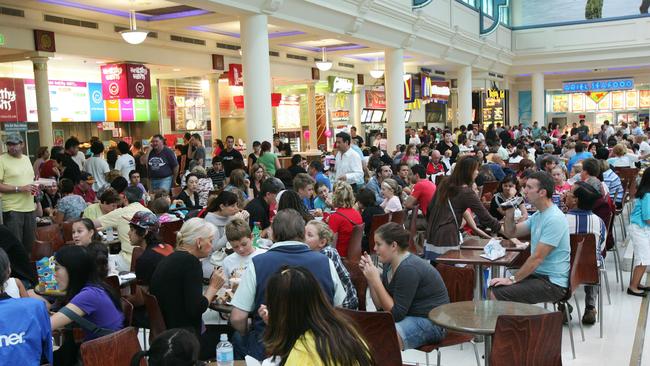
{"x": 611, "y": 179}
{"x": 580, "y": 200}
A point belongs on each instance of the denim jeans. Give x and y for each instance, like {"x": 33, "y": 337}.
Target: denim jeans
{"x": 417, "y": 331}
{"x": 164, "y": 183}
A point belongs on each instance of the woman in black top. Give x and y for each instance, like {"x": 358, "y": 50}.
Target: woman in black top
{"x": 368, "y": 204}
{"x": 190, "y": 195}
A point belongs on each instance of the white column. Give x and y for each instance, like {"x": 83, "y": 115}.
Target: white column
{"x": 464, "y": 95}
{"x": 257, "y": 78}
{"x": 395, "y": 126}
{"x": 215, "y": 112}
{"x": 45, "y": 135}
{"x": 537, "y": 96}
{"x": 311, "y": 115}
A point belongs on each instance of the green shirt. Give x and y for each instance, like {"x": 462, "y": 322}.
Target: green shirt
{"x": 268, "y": 159}
{"x": 93, "y": 212}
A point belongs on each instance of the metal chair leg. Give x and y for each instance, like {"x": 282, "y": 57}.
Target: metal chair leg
{"x": 606, "y": 280}
{"x": 613, "y": 250}
{"x": 568, "y": 316}
{"x": 478, "y": 358}
{"x": 438, "y": 350}
{"x": 600, "y": 309}
{"x": 582, "y": 331}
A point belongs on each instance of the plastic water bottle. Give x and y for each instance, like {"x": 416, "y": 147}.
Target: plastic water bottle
{"x": 109, "y": 234}
{"x": 225, "y": 354}
{"x": 256, "y": 234}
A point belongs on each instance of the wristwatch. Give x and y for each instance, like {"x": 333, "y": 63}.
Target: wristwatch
{"x": 512, "y": 278}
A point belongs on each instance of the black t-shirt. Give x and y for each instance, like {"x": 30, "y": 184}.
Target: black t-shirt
{"x": 49, "y": 201}
{"x": 71, "y": 170}
{"x": 359, "y": 140}
{"x": 259, "y": 212}
{"x": 296, "y": 169}
{"x": 147, "y": 262}
{"x": 18, "y": 256}
{"x": 443, "y": 147}
{"x": 367, "y": 215}
{"x": 228, "y": 158}
{"x": 253, "y": 158}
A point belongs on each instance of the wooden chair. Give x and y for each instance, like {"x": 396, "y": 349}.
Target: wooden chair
{"x": 460, "y": 287}
{"x": 354, "y": 246}
{"x": 51, "y": 233}
{"x": 358, "y": 281}
{"x": 378, "y": 330}
{"x": 114, "y": 349}
{"x": 168, "y": 230}
{"x": 513, "y": 166}
{"x": 156, "y": 319}
{"x": 127, "y": 310}
{"x": 413, "y": 230}
{"x": 41, "y": 249}
{"x": 488, "y": 190}
{"x": 176, "y": 191}
{"x": 398, "y": 217}
{"x": 527, "y": 340}
{"x": 377, "y": 221}
{"x": 66, "y": 226}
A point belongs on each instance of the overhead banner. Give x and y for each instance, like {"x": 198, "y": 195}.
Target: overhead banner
{"x": 12, "y": 100}
{"x": 125, "y": 81}
{"x": 435, "y": 90}
{"x": 604, "y": 85}
{"x": 235, "y": 75}
{"x": 375, "y": 99}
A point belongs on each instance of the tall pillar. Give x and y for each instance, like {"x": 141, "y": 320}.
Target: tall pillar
{"x": 537, "y": 96}
{"x": 311, "y": 115}
{"x": 257, "y": 78}
{"x": 215, "y": 112}
{"x": 464, "y": 95}
{"x": 45, "y": 135}
{"x": 394, "y": 85}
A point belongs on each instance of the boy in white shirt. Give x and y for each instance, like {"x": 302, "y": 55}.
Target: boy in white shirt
{"x": 240, "y": 238}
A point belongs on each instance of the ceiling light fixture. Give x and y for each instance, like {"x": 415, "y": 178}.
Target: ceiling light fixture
{"x": 133, "y": 35}
{"x": 324, "y": 65}
{"x": 376, "y": 72}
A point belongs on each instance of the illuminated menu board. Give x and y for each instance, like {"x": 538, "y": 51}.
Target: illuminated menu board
{"x": 494, "y": 102}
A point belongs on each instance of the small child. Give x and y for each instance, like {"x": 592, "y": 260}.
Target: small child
{"x": 240, "y": 238}
{"x": 216, "y": 173}
{"x": 322, "y": 200}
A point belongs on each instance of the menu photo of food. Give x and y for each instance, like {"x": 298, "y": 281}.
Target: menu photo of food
{"x": 644, "y": 98}
{"x": 631, "y": 99}
{"x": 590, "y": 105}
{"x": 577, "y": 102}
{"x": 605, "y": 104}
{"x": 618, "y": 100}
{"x": 561, "y": 103}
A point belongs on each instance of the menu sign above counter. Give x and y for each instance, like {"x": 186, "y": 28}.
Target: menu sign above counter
{"x": 126, "y": 81}
{"x": 583, "y": 86}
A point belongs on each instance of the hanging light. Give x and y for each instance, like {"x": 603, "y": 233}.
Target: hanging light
{"x": 376, "y": 72}
{"x": 133, "y": 35}
{"x": 324, "y": 65}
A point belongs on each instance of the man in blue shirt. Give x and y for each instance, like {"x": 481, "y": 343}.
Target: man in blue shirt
{"x": 315, "y": 170}
{"x": 544, "y": 277}
{"x": 580, "y": 155}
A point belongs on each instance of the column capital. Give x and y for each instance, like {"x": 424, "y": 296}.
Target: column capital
{"x": 214, "y": 75}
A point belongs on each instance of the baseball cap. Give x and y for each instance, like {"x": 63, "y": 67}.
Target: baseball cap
{"x": 145, "y": 220}
{"x": 87, "y": 177}
{"x": 14, "y": 139}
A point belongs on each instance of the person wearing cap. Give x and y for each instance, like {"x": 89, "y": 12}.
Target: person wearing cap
{"x": 18, "y": 190}
{"x": 84, "y": 188}
{"x": 143, "y": 232}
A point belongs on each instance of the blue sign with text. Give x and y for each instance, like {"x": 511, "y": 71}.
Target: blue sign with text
{"x": 420, "y": 3}
{"x": 584, "y": 86}
{"x": 97, "y": 113}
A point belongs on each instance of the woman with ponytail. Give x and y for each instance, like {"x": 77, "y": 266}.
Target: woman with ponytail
{"x": 174, "y": 347}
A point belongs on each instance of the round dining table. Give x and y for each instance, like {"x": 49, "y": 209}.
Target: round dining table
{"x": 479, "y": 317}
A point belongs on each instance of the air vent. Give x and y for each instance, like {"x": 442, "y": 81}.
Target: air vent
{"x": 297, "y": 57}
{"x": 12, "y": 12}
{"x": 498, "y": 76}
{"x": 349, "y": 66}
{"x": 119, "y": 29}
{"x": 70, "y": 21}
{"x": 187, "y": 40}
{"x": 227, "y": 46}
{"x": 274, "y": 53}
{"x": 438, "y": 72}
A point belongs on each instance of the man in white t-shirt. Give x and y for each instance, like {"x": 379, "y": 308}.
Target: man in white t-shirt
{"x": 97, "y": 166}
{"x": 644, "y": 146}
{"x": 125, "y": 163}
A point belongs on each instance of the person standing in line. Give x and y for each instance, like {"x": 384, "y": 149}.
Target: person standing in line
{"x": 18, "y": 190}
{"x": 229, "y": 155}
{"x": 198, "y": 151}
{"x": 354, "y": 136}
{"x": 97, "y": 166}
{"x": 162, "y": 164}
{"x": 72, "y": 168}
{"x": 125, "y": 162}
{"x": 348, "y": 164}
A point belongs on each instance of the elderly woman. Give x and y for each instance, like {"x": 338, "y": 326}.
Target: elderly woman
{"x": 343, "y": 220}
{"x": 622, "y": 158}
{"x": 177, "y": 281}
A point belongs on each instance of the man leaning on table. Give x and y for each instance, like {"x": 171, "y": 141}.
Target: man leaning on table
{"x": 544, "y": 277}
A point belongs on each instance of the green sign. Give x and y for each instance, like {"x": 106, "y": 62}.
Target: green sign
{"x": 2, "y": 39}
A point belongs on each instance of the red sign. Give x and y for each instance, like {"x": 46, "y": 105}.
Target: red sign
{"x": 235, "y": 75}
{"x": 12, "y": 100}
{"x": 126, "y": 81}
{"x": 375, "y": 99}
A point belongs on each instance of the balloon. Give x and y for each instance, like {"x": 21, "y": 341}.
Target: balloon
{"x": 328, "y": 133}
{"x": 307, "y": 134}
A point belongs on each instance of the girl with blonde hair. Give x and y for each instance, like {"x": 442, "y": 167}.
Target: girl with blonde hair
{"x": 343, "y": 220}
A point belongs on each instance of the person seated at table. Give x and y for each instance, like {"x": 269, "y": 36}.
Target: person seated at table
{"x": 134, "y": 181}
{"x": 454, "y": 195}
{"x": 559, "y": 178}
{"x": 580, "y": 201}
{"x": 24, "y": 320}
{"x": 189, "y": 195}
{"x": 12, "y": 286}
{"x": 108, "y": 201}
{"x": 84, "y": 188}
{"x": 392, "y": 193}
{"x": 70, "y": 206}
{"x": 303, "y": 184}
{"x": 288, "y": 248}
{"x": 259, "y": 208}
{"x": 503, "y": 194}
{"x": 160, "y": 206}
{"x": 240, "y": 239}
{"x": 143, "y": 233}
{"x": 319, "y": 236}
{"x": 409, "y": 287}
{"x": 177, "y": 282}
{"x": 237, "y": 179}
{"x": 343, "y": 220}
{"x": 307, "y": 330}
{"x": 50, "y": 198}
{"x": 177, "y": 347}
{"x": 291, "y": 199}
{"x": 87, "y": 296}
{"x": 322, "y": 201}
{"x": 84, "y": 232}
{"x": 544, "y": 277}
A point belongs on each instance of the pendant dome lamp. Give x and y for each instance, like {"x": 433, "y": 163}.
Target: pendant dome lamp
{"x": 133, "y": 35}
{"x": 324, "y": 65}
{"x": 377, "y": 72}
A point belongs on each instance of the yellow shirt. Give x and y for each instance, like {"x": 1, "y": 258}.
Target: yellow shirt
{"x": 16, "y": 172}
{"x": 93, "y": 212}
{"x": 304, "y": 352}
{"x": 120, "y": 219}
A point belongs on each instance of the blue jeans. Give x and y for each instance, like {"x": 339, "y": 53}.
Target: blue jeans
{"x": 249, "y": 344}
{"x": 416, "y": 331}
{"x": 161, "y": 183}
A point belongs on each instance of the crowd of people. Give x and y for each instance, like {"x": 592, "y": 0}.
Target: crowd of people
{"x": 280, "y": 238}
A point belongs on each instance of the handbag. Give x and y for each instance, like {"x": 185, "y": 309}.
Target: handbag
{"x": 460, "y": 235}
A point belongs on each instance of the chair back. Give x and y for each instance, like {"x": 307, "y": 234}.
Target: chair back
{"x": 587, "y": 264}
{"x": 377, "y": 221}
{"x": 488, "y": 190}
{"x": 114, "y": 282}
{"x": 439, "y": 178}
{"x": 398, "y": 217}
{"x": 51, "y": 233}
{"x": 114, "y": 349}
{"x": 354, "y": 246}
{"x": 527, "y": 340}
{"x": 459, "y": 281}
{"x": 41, "y": 249}
{"x": 66, "y": 227}
{"x": 514, "y": 166}
{"x": 127, "y": 310}
{"x": 413, "y": 230}
{"x": 156, "y": 320}
{"x": 168, "y": 230}
{"x": 378, "y": 330}
{"x": 358, "y": 281}
{"x": 176, "y": 191}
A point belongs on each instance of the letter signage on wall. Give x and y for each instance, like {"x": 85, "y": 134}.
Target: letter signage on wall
{"x": 434, "y": 89}
{"x": 125, "y": 81}
{"x": 584, "y": 86}
{"x": 341, "y": 85}
{"x": 12, "y": 100}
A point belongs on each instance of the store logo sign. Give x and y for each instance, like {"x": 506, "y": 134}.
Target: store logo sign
{"x": 12, "y": 100}
{"x": 584, "y": 86}
{"x": 499, "y": 6}
{"x": 7, "y": 97}
{"x": 338, "y": 84}
{"x": 125, "y": 81}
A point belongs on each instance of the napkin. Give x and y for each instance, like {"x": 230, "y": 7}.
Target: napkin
{"x": 126, "y": 277}
{"x": 271, "y": 361}
{"x": 493, "y": 250}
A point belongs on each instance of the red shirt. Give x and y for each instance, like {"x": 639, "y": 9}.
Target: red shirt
{"x": 47, "y": 169}
{"x": 423, "y": 191}
{"x": 435, "y": 168}
{"x": 341, "y": 223}
{"x": 88, "y": 196}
